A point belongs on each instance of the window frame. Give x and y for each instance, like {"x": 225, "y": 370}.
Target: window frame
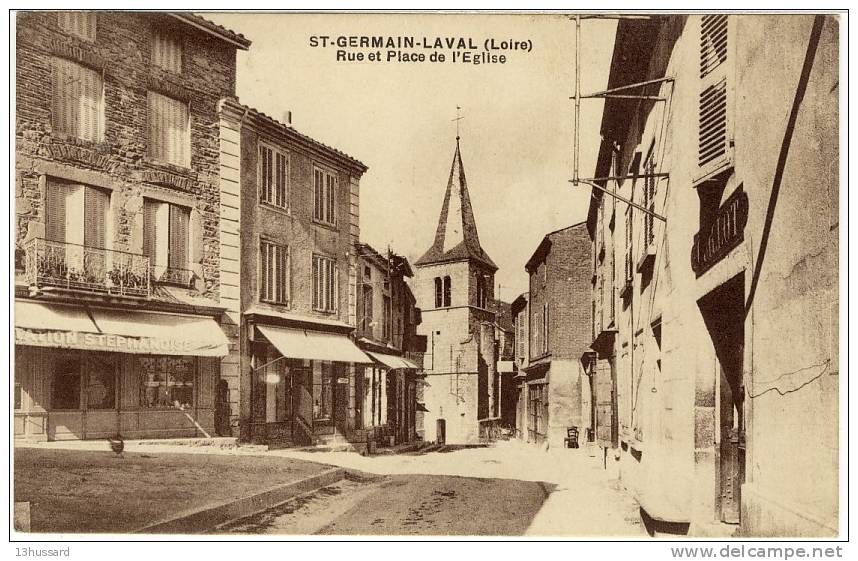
{"x": 261, "y": 188}
{"x": 150, "y": 141}
{"x": 330, "y": 293}
{"x": 56, "y": 94}
{"x": 169, "y": 35}
{"x": 264, "y": 289}
{"x": 325, "y": 199}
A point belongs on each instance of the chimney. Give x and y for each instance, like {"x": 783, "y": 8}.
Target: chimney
{"x": 287, "y": 118}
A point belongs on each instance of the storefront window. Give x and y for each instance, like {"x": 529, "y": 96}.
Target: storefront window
{"x": 65, "y": 390}
{"x": 101, "y": 384}
{"x": 167, "y": 382}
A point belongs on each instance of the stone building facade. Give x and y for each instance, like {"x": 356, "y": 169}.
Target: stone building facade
{"x": 116, "y": 222}
{"x": 559, "y": 301}
{"x": 291, "y": 206}
{"x": 715, "y": 332}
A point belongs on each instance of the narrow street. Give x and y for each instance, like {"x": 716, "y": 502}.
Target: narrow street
{"x": 505, "y": 490}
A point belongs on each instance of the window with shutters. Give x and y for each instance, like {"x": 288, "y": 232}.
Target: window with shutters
{"x": 76, "y": 214}
{"x": 273, "y": 176}
{"x": 324, "y": 196}
{"x": 325, "y": 283}
{"x": 649, "y": 193}
{"x": 77, "y": 107}
{"x": 80, "y": 24}
{"x": 629, "y": 263}
{"x": 522, "y": 334}
{"x": 167, "y": 51}
{"x": 439, "y": 292}
{"x": 274, "y": 273}
{"x": 169, "y": 130}
{"x": 713, "y": 115}
{"x": 166, "y": 241}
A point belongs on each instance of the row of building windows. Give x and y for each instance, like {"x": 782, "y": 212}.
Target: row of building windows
{"x": 77, "y": 222}
{"x": 275, "y": 266}
{"x": 166, "y": 47}
{"x": 273, "y": 178}
{"x": 78, "y": 110}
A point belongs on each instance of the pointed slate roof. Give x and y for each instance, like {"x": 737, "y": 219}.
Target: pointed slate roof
{"x": 456, "y": 238}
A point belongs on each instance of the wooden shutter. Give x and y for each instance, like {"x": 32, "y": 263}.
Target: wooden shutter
{"x": 318, "y": 182}
{"x": 76, "y": 107}
{"x": 712, "y": 141}
{"x": 263, "y": 271}
{"x": 55, "y": 211}
{"x": 169, "y": 136}
{"x": 280, "y": 180}
{"x": 335, "y": 287}
{"x": 167, "y": 51}
{"x": 149, "y": 230}
{"x": 331, "y": 215}
{"x": 316, "y": 292}
{"x": 179, "y": 227}
{"x": 265, "y": 173}
{"x": 95, "y": 204}
{"x": 81, "y": 24}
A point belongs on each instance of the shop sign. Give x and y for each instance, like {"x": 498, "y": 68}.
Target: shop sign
{"x": 102, "y": 342}
{"x": 726, "y": 232}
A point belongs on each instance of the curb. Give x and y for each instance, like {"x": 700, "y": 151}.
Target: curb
{"x": 209, "y": 517}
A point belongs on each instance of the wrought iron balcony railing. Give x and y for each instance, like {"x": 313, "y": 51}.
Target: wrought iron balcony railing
{"x": 74, "y": 266}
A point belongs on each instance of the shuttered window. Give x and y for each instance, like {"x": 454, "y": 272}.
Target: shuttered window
{"x": 167, "y": 51}
{"x": 66, "y": 220}
{"x": 713, "y": 134}
{"x": 166, "y": 240}
{"x": 274, "y": 273}
{"x": 629, "y": 270}
{"x": 448, "y": 292}
{"x": 169, "y": 130}
{"x": 325, "y": 283}
{"x": 81, "y": 24}
{"x": 77, "y": 107}
{"x": 649, "y": 193}
{"x": 325, "y": 196}
{"x": 273, "y": 176}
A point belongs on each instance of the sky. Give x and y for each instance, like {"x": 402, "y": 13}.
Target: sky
{"x": 397, "y": 118}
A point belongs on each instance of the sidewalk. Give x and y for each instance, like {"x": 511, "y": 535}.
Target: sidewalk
{"x": 93, "y": 491}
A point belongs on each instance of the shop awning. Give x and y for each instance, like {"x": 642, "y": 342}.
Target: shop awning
{"x": 392, "y": 361}
{"x": 121, "y": 331}
{"x": 313, "y": 345}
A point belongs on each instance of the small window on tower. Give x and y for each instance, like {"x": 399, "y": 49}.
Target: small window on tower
{"x": 447, "y": 292}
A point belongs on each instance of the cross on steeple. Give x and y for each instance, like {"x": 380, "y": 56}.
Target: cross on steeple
{"x": 457, "y": 119}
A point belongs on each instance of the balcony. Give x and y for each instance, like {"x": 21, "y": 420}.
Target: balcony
{"x": 172, "y": 276}
{"x": 51, "y": 264}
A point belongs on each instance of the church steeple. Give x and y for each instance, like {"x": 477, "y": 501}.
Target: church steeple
{"x": 456, "y": 238}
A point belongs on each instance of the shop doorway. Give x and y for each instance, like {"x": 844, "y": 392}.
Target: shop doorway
{"x": 723, "y": 313}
